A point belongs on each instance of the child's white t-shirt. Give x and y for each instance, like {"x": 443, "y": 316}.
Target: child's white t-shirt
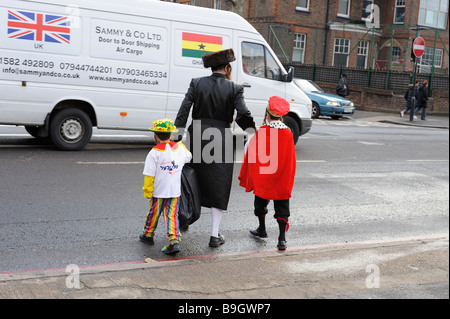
{"x": 165, "y": 162}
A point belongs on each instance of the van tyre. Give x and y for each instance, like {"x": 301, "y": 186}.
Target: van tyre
{"x": 70, "y": 129}
{"x": 293, "y": 126}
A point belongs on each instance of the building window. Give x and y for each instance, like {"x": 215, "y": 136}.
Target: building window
{"x": 344, "y": 8}
{"x": 341, "y": 52}
{"x": 218, "y": 4}
{"x": 366, "y": 12}
{"x": 433, "y": 13}
{"x": 427, "y": 57}
{"x": 396, "y": 54}
{"x": 298, "y": 54}
{"x": 303, "y": 5}
{"x": 399, "y": 15}
{"x": 363, "y": 50}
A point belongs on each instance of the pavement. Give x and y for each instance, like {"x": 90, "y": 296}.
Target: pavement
{"x": 405, "y": 268}
{"x": 402, "y": 268}
{"x": 437, "y": 121}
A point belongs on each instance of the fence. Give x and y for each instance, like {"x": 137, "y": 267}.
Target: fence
{"x": 395, "y": 81}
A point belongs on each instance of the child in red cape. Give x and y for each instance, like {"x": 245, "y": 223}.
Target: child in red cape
{"x": 269, "y": 169}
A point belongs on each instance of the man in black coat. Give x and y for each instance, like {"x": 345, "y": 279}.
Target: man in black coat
{"x": 422, "y": 100}
{"x": 215, "y": 99}
{"x": 342, "y": 88}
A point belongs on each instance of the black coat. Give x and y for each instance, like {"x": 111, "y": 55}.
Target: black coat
{"x": 408, "y": 96}
{"x": 214, "y": 99}
{"x": 422, "y": 96}
{"x": 342, "y": 89}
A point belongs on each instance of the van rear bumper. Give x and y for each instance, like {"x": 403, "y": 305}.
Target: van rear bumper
{"x": 305, "y": 126}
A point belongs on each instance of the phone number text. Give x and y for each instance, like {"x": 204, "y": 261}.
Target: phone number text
{"x": 44, "y": 64}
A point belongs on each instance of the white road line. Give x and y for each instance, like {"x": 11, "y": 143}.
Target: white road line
{"x": 129, "y": 136}
{"x": 141, "y": 163}
{"x": 95, "y": 135}
{"x": 371, "y": 143}
{"x": 427, "y": 160}
{"x": 110, "y": 163}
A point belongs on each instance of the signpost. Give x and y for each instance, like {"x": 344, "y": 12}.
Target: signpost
{"x": 418, "y": 50}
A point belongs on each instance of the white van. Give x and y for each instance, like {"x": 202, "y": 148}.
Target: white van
{"x": 68, "y": 66}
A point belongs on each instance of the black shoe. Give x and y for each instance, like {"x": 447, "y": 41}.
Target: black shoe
{"x": 216, "y": 241}
{"x": 282, "y": 245}
{"x": 147, "y": 240}
{"x": 259, "y": 233}
{"x": 171, "y": 249}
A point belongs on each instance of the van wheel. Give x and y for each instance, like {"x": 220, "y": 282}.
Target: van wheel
{"x": 293, "y": 126}
{"x": 70, "y": 129}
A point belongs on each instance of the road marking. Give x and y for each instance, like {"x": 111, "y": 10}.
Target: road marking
{"x": 95, "y": 135}
{"x": 347, "y": 176}
{"x": 371, "y": 143}
{"x": 140, "y": 163}
{"x": 304, "y": 161}
{"x": 427, "y": 161}
{"x": 110, "y": 163}
{"x": 130, "y": 136}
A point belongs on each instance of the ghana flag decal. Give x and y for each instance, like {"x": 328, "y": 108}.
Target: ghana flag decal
{"x": 196, "y": 45}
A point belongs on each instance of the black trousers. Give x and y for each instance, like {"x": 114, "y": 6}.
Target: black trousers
{"x": 281, "y": 208}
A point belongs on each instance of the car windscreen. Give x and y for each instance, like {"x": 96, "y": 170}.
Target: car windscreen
{"x": 308, "y": 86}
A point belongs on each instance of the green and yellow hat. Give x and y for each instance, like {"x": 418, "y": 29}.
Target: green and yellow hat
{"x": 164, "y": 126}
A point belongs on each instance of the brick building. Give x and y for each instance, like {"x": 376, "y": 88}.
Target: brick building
{"x": 338, "y": 32}
{"x": 319, "y": 37}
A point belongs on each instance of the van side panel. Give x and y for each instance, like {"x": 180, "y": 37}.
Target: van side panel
{"x": 189, "y": 43}
{"x": 118, "y": 61}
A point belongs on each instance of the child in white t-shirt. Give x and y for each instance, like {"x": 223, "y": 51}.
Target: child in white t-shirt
{"x": 163, "y": 167}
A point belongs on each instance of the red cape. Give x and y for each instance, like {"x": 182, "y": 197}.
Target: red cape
{"x": 269, "y": 164}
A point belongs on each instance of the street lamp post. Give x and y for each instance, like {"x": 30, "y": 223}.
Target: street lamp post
{"x": 413, "y": 99}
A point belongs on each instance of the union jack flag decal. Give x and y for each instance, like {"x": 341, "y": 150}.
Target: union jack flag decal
{"x": 41, "y": 27}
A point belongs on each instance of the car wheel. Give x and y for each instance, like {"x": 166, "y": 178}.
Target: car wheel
{"x": 70, "y": 129}
{"x": 315, "y": 110}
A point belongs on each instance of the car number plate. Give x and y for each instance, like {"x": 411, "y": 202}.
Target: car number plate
{"x": 348, "y": 110}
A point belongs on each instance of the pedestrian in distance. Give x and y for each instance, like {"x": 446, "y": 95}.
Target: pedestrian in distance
{"x": 342, "y": 89}
{"x": 214, "y": 99}
{"x": 422, "y": 100}
{"x": 162, "y": 185}
{"x": 408, "y": 97}
{"x": 268, "y": 169}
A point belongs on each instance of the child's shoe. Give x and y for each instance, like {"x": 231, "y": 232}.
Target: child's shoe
{"x": 147, "y": 240}
{"x": 259, "y": 233}
{"x": 282, "y": 245}
{"x": 171, "y": 249}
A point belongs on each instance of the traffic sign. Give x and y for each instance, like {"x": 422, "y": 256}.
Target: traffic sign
{"x": 419, "y": 47}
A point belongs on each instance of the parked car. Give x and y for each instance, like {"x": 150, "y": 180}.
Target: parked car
{"x": 325, "y": 103}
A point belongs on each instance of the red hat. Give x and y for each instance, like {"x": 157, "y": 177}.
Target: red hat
{"x": 278, "y": 106}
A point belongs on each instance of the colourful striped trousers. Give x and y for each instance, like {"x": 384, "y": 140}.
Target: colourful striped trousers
{"x": 169, "y": 208}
